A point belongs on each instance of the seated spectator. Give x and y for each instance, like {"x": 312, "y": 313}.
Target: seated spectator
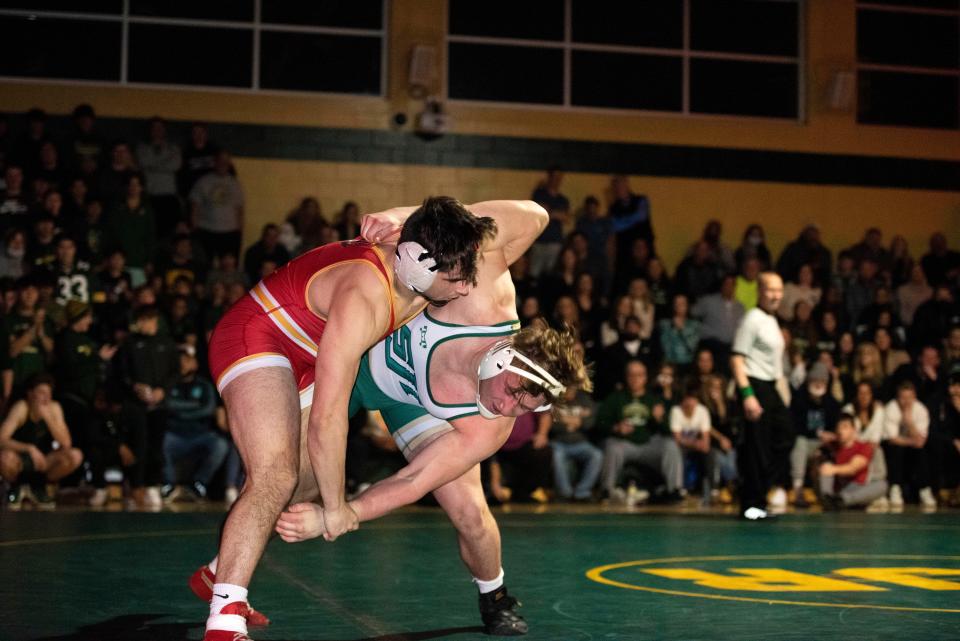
{"x": 698, "y": 274}
{"x": 846, "y": 482}
{"x": 568, "y": 440}
{"x": 591, "y": 309}
{"x": 666, "y": 385}
{"x": 309, "y": 225}
{"x": 690, "y": 426}
{"x": 90, "y": 232}
{"x": 807, "y": 249}
{"x": 912, "y": 294}
{"x": 632, "y": 419}
{"x": 926, "y": 374}
{"x": 814, "y": 412}
{"x": 891, "y": 358}
{"x": 637, "y": 266}
{"x": 51, "y": 168}
{"x": 861, "y": 293}
{"x": 679, "y": 335}
{"x": 114, "y": 295}
{"x": 868, "y": 414}
{"x": 907, "y": 424}
{"x": 74, "y": 278}
{"x": 934, "y": 318}
{"x": 86, "y": 142}
{"x": 347, "y": 221}
{"x": 14, "y": 206}
{"x": 160, "y": 160}
{"x": 610, "y": 329}
{"x": 941, "y": 264}
{"x": 828, "y": 332}
{"x": 130, "y": 226}
{"x": 529, "y": 310}
{"x": 543, "y": 253}
{"x": 110, "y": 442}
{"x": 948, "y": 439}
{"x": 268, "y": 248}
{"x": 722, "y": 462}
{"x": 868, "y": 368}
{"x": 753, "y": 246}
{"x": 180, "y": 262}
{"x": 719, "y": 315}
{"x": 898, "y": 264}
{"x": 803, "y": 329}
{"x": 14, "y": 251}
{"x": 871, "y": 247}
{"x": 566, "y": 313}
{"x": 29, "y": 458}
{"x": 560, "y": 279}
{"x": 704, "y": 367}
{"x": 226, "y": 272}
{"x": 526, "y": 458}
{"x": 643, "y": 306}
{"x": 182, "y": 321}
{"x": 42, "y": 245}
{"x": 661, "y": 287}
{"x": 217, "y": 208}
{"x": 629, "y": 346}
{"x": 747, "y": 286}
{"x": 30, "y": 334}
{"x": 113, "y": 180}
{"x": 191, "y": 432}
{"x": 802, "y": 290}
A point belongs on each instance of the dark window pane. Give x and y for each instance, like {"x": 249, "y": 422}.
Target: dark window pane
{"x": 530, "y": 19}
{"x": 352, "y": 14}
{"x": 912, "y": 100}
{"x": 236, "y": 10}
{"x": 654, "y": 23}
{"x": 744, "y": 26}
{"x": 913, "y": 39}
{"x": 933, "y": 4}
{"x": 48, "y": 48}
{"x": 314, "y": 62}
{"x": 190, "y": 55}
{"x": 70, "y": 6}
{"x": 627, "y": 81}
{"x": 743, "y": 88}
{"x": 507, "y": 74}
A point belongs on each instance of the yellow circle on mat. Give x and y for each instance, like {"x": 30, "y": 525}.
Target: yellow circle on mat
{"x": 597, "y": 574}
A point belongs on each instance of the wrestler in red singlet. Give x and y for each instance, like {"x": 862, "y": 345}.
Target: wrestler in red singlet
{"x": 275, "y": 326}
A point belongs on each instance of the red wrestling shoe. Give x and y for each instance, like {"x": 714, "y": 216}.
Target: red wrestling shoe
{"x": 201, "y": 583}
{"x": 232, "y": 615}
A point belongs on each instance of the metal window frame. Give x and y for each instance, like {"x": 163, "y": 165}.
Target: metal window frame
{"x": 256, "y": 28}
{"x": 904, "y": 69}
{"x": 685, "y": 53}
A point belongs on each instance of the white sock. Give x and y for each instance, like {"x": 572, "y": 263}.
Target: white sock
{"x": 491, "y": 585}
{"x": 213, "y": 565}
{"x": 224, "y": 593}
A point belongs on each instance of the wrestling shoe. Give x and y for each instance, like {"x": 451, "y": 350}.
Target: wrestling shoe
{"x": 497, "y": 609}
{"x": 201, "y": 584}
{"x": 227, "y": 618}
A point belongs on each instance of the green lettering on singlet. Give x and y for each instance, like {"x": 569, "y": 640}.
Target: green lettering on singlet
{"x": 398, "y": 352}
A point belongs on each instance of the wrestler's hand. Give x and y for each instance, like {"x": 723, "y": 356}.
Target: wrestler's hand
{"x": 380, "y": 227}
{"x": 339, "y": 521}
{"x": 299, "y": 522}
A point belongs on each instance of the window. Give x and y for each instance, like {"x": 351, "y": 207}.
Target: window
{"x": 737, "y": 57}
{"x": 329, "y": 46}
{"x": 43, "y": 47}
{"x": 908, "y": 63}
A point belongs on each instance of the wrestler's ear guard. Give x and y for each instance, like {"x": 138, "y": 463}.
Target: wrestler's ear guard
{"x": 499, "y": 358}
{"x": 414, "y": 266}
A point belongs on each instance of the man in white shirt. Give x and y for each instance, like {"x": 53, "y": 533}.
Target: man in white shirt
{"x": 757, "y": 364}
{"x": 906, "y": 425}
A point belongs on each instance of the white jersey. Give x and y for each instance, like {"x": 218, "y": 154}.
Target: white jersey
{"x": 400, "y": 363}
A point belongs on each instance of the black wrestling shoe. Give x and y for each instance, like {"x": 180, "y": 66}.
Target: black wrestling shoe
{"x": 497, "y": 609}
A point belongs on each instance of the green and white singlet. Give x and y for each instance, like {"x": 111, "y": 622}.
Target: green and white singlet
{"x": 394, "y": 378}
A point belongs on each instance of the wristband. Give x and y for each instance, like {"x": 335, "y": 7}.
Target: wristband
{"x": 746, "y": 392}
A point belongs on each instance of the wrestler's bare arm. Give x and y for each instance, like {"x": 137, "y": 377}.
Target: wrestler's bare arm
{"x": 445, "y": 459}
{"x": 519, "y": 222}
{"x": 358, "y": 318}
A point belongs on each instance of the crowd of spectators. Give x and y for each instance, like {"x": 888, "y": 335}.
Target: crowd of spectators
{"x": 120, "y": 256}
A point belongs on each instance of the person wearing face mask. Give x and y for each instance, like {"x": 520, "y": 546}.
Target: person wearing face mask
{"x": 753, "y": 246}
{"x": 14, "y": 251}
{"x": 814, "y": 413}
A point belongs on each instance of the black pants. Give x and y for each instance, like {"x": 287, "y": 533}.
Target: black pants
{"x": 763, "y": 457}
{"x": 145, "y": 438}
{"x": 907, "y": 465}
{"x": 167, "y": 212}
{"x": 525, "y": 469}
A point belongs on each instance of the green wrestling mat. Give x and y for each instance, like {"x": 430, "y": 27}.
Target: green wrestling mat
{"x": 71, "y": 576}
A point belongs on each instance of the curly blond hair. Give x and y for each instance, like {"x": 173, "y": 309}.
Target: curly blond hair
{"x": 557, "y": 352}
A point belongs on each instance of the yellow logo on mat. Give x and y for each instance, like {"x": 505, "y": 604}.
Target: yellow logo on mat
{"x": 894, "y": 579}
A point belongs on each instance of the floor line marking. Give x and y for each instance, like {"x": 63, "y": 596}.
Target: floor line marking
{"x": 370, "y": 625}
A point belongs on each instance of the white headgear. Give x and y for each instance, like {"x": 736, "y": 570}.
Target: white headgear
{"x": 414, "y": 266}
{"x": 499, "y": 359}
